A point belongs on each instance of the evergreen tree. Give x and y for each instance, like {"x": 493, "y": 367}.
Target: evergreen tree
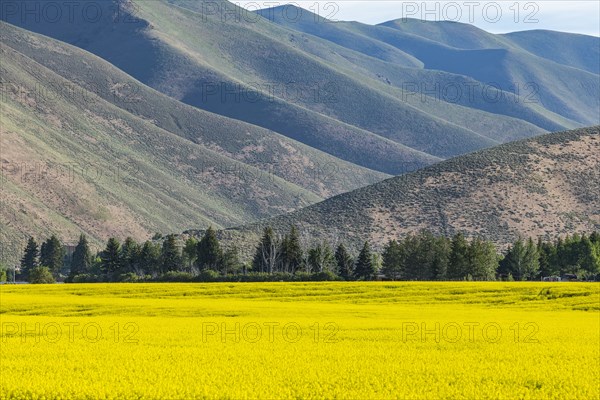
{"x": 458, "y": 265}
{"x": 231, "y": 263}
{"x": 392, "y": 260}
{"x": 427, "y": 257}
{"x": 130, "y": 256}
{"x": 560, "y": 260}
{"x": 547, "y": 252}
{"x": 150, "y": 258}
{"x": 364, "y": 264}
{"x": 411, "y": 257}
{"x": 170, "y": 257}
{"x": 439, "y": 266}
{"x": 568, "y": 255}
{"x": 82, "y": 258}
{"x": 268, "y": 253}
{"x": 30, "y": 258}
{"x": 291, "y": 252}
{"x": 111, "y": 257}
{"x": 483, "y": 260}
{"x": 345, "y": 263}
{"x": 532, "y": 261}
{"x": 209, "y": 251}
{"x": 589, "y": 256}
{"x": 52, "y": 255}
{"x": 521, "y": 260}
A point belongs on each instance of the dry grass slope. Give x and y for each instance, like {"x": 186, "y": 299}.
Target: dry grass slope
{"x": 546, "y": 186}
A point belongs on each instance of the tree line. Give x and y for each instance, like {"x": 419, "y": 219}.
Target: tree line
{"x": 421, "y": 256}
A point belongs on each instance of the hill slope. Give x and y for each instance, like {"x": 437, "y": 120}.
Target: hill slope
{"x": 548, "y": 93}
{"x": 86, "y": 148}
{"x": 547, "y": 186}
{"x": 352, "y": 103}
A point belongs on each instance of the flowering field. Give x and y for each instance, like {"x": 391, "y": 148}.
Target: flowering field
{"x": 301, "y": 340}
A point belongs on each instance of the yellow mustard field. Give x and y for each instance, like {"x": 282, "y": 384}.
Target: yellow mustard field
{"x": 379, "y": 340}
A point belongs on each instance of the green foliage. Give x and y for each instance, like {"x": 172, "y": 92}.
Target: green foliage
{"x": 321, "y": 258}
{"x": 85, "y": 278}
{"x": 292, "y": 256}
{"x": 175, "y": 276}
{"x": 325, "y": 275}
{"x": 41, "y": 274}
{"x": 365, "y": 269}
{"x": 130, "y": 277}
{"x": 150, "y": 258}
{"x": 130, "y": 256}
{"x": 170, "y": 256}
{"x": 209, "y": 254}
{"x": 111, "y": 257}
{"x": 190, "y": 252}
{"x": 345, "y": 262}
{"x": 268, "y": 253}
{"x": 483, "y": 260}
{"x": 30, "y": 258}
{"x": 208, "y": 275}
{"x": 82, "y": 258}
{"x": 393, "y": 262}
{"x": 458, "y": 266}
{"x": 230, "y": 262}
{"x": 521, "y": 260}
{"x": 52, "y": 255}
{"x": 416, "y": 257}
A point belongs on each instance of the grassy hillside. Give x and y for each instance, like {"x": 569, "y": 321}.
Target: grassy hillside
{"x": 561, "y": 89}
{"x": 353, "y": 104}
{"x": 268, "y": 151}
{"x": 547, "y": 186}
{"x": 461, "y": 51}
{"x": 574, "y": 50}
{"x": 224, "y": 121}
{"x": 86, "y": 148}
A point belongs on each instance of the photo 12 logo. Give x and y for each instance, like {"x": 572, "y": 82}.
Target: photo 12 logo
{"x": 67, "y": 173}
{"x": 253, "y": 332}
{"x": 453, "y": 332}
{"x": 68, "y": 12}
{"x": 306, "y": 92}
{"x": 255, "y": 11}
{"x": 53, "y": 332}
{"x": 490, "y": 12}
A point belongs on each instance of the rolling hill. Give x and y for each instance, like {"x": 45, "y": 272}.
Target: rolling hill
{"x": 170, "y": 114}
{"x": 86, "y": 148}
{"x": 344, "y": 89}
{"x": 524, "y": 73}
{"x": 546, "y": 186}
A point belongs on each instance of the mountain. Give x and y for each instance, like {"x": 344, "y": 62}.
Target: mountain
{"x": 174, "y": 114}
{"x": 546, "y": 186}
{"x": 547, "y": 93}
{"x": 86, "y": 148}
{"x": 574, "y": 50}
{"x": 350, "y": 98}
